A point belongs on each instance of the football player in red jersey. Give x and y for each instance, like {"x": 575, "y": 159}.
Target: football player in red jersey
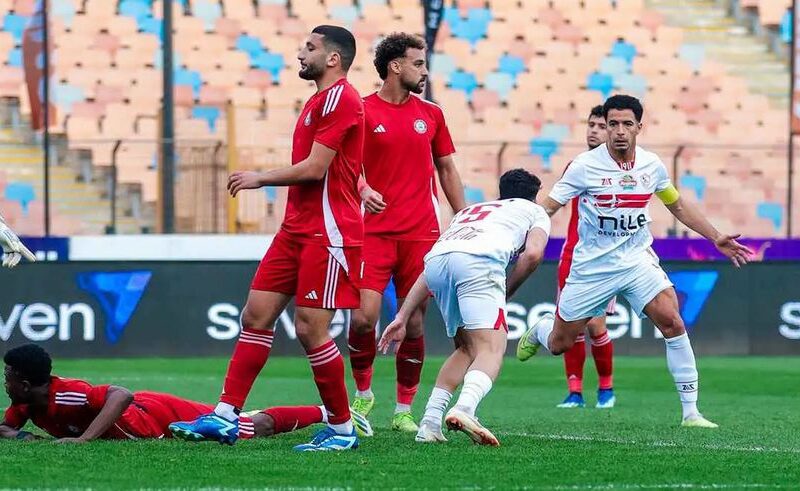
{"x": 315, "y": 257}
{"x": 406, "y": 143}
{"x": 75, "y": 411}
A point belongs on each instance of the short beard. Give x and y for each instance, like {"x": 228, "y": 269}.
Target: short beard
{"x": 415, "y": 88}
{"x": 311, "y": 72}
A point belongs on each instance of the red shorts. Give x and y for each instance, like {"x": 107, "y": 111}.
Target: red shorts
{"x": 563, "y": 273}
{"x": 316, "y": 275}
{"x": 151, "y": 413}
{"x": 385, "y": 257}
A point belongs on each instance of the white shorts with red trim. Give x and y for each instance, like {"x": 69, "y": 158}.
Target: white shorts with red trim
{"x": 469, "y": 290}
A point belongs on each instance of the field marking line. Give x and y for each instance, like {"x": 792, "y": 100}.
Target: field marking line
{"x": 579, "y": 487}
{"x": 657, "y": 444}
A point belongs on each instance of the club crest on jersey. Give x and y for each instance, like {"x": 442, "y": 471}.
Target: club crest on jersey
{"x": 420, "y": 126}
{"x": 307, "y": 121}
{"x": 628, "y": 182}
{"x": 646, "y": 179}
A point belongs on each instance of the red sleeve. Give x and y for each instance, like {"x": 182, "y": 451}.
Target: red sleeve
{"x": 442, "y": 144}
{"x": 16, "y": 416}
{"x": 96, "y": 396}
{"x": 339, "y": 114}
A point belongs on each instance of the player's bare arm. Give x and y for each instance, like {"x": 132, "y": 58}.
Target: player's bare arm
{"x": 688, "y": 214}
{"x": 117, "y": 401}
{"x": 551, "y": 206}
{"x": 528, "y": 261}
{"x": 396, "y": 331}
{"x": 10, "y": 433}
{"x": 450, "y": 181}
{"x": 313, "y": 168}
{"x": 373, "y": 200}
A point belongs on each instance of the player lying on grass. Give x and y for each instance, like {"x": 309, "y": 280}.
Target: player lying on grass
{"x": 466, "y": 272}
{"x": 13, "y": 249}
{"x": 76, "y": 411}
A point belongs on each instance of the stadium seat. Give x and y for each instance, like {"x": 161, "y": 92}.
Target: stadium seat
{"x": 15, "y": 57}
{"x": 207, "y": 11}
{"x": 769, "y": 211}
{"x": 693, "y": 54}
{"x": 344, "y": 14}
{"x": 613, "y": 66}
{"x": 544, "y": 148}
{"x": 695, "y": 183}
{"x": 209, "y": 114}
{"x": 442, "y": 64}
{"x": 250, "y": 45}
{"x": 600, "y": 82}
{"x": 463, "y": 81}
{"x": 190, "y": 78}
{"x": 624, "y": 50}
{"x": 272, "y": 63}
{"x": 512, "y": 65}
{"x": 502, "y": 83}
{"x": 136, "y": 9}
{"x": 21, "y": 192}
{"x": 64, "y": 10}
{"x": 635, "y": 85}
{"x": 15, "y": 24}
{"x": 473, "y": 195}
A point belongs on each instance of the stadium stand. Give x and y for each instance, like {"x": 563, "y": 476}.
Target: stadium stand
{"x": 520, "y": 72}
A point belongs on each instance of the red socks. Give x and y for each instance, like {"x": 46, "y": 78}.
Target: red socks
{"x": 292, "y": 418}
{"x": 363, "y": 349}
{"x": 603, "y": 353}
{"x": 409, "y": 368}
{"x": 328, "y": 367}
{"x": 249, "y": 356}
{"x": 573, "y": 363}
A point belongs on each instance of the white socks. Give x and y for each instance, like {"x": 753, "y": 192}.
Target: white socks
{"x": 365, "y": 393}
{"x": 437, "y": 405}
{"x": 345, "y": 428}
{"x": 324, "y": 414}
{"x": 402, "y": 408}
{"x": 543, "y": 333}
{"x": 680, "y": 360}
{"x": 227, "y": 411}
{"x": 476, "y": 385}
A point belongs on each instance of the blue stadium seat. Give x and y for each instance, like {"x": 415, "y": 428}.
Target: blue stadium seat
{"x": 207, "y": 11}
{"x": 152, "y": 26}
{"x": 624, "y": 50}
{"x": 544, "y": 148}
{"x": 611, "y": 65}
{"x": 64, "y": 10}
{"x": 65, "y": 95}
{"x": 463, "y": 81}
{"x": 479, "y": 16}
{"x": 635, "y": 85}
{"x": 158, "y": 60}
{"x": 512, "y": 65}
{"x": 272, "y": 193}
{"x": 474, "y": 27}
{"x": 15, "y": 24}
{"x": 442, "y": 64}
{"x": 209, "y": 113}
{"x": 250, "y": 45}
{"x": 270, "y": 62}
{"x": 553, "y": 131}
{"x": 697, "y": 184}
{"x": 473, "y": 195}
{"x": 452, "y": 16}
{"x": 502, "y": 83}
{"x": 137, "y": 9}
{"x": 786, "y": 27}
{"x": 600, "y": 82}
{"x": 770, "y": 211}
{"x": 190, "y": 78}
{"x": 344, "y": 14}
{"x": 693, "y": 54}
{"x": 15, "y": 57}
{"x": 22, "y": 192}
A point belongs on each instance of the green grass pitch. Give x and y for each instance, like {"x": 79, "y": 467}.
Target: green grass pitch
{"x": 637, "y": 445}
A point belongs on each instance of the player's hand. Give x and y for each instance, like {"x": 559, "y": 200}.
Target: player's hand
{"x": 739, "y": 254}
{"x": 394, "y": 333}
{"x": 13, "y": 249}
{"x": 373, "y": 200}
{"x": 241, "y": 180}
{"x": 71, "y": 440}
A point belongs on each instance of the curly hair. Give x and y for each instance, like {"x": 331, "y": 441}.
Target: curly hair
{"x": 392, "y": 47}
{"x": 31, "y": 362}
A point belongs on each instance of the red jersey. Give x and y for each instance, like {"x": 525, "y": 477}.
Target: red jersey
{"x": 400, "y": 144}
{"x": 73, "y": 405}
{"x": 329, "y": 211}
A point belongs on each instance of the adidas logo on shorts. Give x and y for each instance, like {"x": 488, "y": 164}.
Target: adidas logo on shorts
{"x": 312, "y": 295}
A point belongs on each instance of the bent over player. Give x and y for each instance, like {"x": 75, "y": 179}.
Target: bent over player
{"x": 614, "y": 183}
{"x": 406, "y": 139}
{"x": 315, "y": 257}
{"x": 466, "y": 272}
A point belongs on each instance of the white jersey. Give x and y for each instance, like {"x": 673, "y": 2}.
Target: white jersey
{"x": 612, "y": 203}
{"x": 494, "y": 229}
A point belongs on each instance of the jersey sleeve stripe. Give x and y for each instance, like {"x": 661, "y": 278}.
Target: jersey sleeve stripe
{"x": 68, "y": 393}
{"x": 332, "y": 100}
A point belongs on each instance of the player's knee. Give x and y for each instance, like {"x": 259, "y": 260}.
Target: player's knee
{"x": 416, "y": 325}
{"x": 264, "y": 424}
{"x": 559, "y": 343}
{"x": 362, "y": 323}
{"x": 252, "y": 319}
{"x": 672, "y": 325}
{"x": 596, "y": 326}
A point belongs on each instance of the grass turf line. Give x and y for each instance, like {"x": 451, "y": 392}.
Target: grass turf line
{"x": 637, "y": 445}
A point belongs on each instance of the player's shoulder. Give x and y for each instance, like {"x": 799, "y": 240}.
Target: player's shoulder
{"x": 646, "y": 156}
{"x": 341, "y": 95}
{"x": 61, "y": 386}
{"x": 370, "y": 100}
{"x": 429, "y": 106}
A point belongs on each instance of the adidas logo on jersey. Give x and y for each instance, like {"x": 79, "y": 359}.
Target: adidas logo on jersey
{"x": 312, "y": 295}
{"x": 379, "y": 129}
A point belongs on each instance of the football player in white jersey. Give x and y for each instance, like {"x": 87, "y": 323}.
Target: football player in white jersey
{"x": 466, "y": 272}
{"x": 13, "y": 248}
{"x": 614, "y": 183}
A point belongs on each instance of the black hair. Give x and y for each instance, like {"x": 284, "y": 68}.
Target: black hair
{"x": 622, "y": 102}
{"x": 392, "y": 47}
{"x": 596, "y": 112}
{"x": 519, "y": 183}
{"x": 339, "y": 39}
{"x": 30, "y": 362}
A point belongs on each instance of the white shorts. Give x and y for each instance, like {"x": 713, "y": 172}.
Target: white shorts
{"x": 470, "y": 290}
{"x": 639, "y": 285}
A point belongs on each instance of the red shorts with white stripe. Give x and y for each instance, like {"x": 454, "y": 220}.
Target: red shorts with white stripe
{"x": 563, "y": 273}
{"x": 317, "y": 276}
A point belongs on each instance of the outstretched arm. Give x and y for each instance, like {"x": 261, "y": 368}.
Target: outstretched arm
{"x": 396, "y": 331}
{"x": 451, "y": 182}
{"x": 527, "y": 262}
{"x": 689, "y": 215}
{"x": 117, "y": 401}
{"x": 313, "y": 168}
